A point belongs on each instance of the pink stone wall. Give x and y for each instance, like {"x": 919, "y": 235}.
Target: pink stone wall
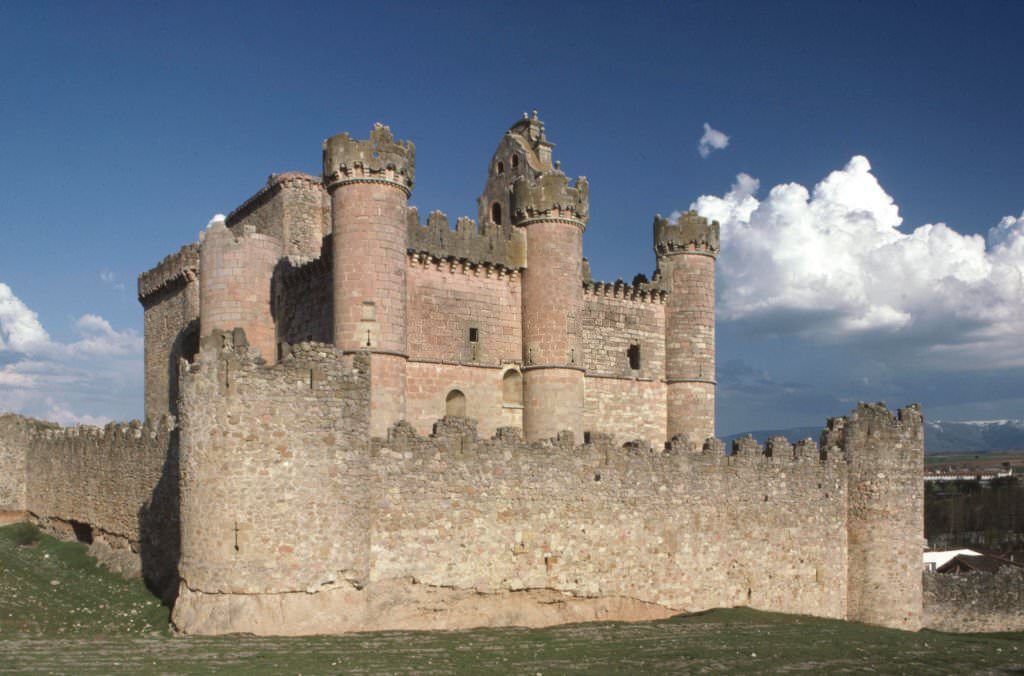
{"x": 369, "y": 238}
{"x": 235, "y": 272}
{"x": 389, "y": 386}
{"x": 429, "y": 383}
{"x": 626, "y": 409}
{"x": 552, "y": 402}
{"x": 690, "y": 410}
{"x": 552, "y": 334}
{"x": 553, "y": 294}
{"x": 612, "y": 324}
{"x": 369, "y": 267}
{"x": 447, "y": 299}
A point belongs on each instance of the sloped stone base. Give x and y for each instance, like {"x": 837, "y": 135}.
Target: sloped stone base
{"x": 394, "y": 605}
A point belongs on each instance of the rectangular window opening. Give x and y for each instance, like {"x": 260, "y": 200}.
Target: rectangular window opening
{"x": 474, "y": 335}
{"x": 633, "y": 353}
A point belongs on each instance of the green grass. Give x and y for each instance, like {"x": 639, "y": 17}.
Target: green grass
{"x": 51, "y": 588}
{"x": 92, "y": 621}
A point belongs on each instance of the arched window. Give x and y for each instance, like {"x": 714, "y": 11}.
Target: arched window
{"x": 455, "y": 404}
{"x": 496, "y": 213}
{"x": 515, "y": 161}
{"x": 512, "y": 388}
{"x": 501, "y": 167}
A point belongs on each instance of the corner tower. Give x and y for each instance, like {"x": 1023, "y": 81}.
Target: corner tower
{"x": 369, "y": 182}
{"x": 534, "y": 195}
{"x": 686, "y": 250}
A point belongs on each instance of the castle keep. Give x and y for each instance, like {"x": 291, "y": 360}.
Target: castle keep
{"x": 356, "y": 420}
{"x": 496, "y": 320}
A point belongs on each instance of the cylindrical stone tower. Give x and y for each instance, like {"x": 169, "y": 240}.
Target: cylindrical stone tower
{"x": 235, "y": 271}
{"x": 554, "y": 215}
{"x": 369, "y": 182}
{"x": 686, "y": 252}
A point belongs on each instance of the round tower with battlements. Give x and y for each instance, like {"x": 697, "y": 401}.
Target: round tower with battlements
{"x": 235, "y": 270}
{"x": 369, "y": 182}
{"x": 553, "y": 213}
{"x": 686, "y": 250}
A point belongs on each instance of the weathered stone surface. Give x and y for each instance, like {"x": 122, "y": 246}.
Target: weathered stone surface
{"x": 397, "y": 604}
{"x": 169, "y": 294}
{"x": 975, "y": 601}
{"x": 293, "y": 208}
{"x": 115, "y": 486}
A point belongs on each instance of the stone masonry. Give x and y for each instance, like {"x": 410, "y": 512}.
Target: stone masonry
{"x": 357, "y": 421}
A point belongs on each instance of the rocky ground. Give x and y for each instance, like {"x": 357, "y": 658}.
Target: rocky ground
{"x": 60, "y": 613}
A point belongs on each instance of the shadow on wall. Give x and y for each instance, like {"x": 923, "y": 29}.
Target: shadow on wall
{"x": 185, "y": 346}
{"x": 160, "y": 530}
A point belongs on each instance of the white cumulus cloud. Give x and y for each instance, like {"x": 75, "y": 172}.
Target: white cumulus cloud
{"x": 98, "y": 372}
{"x": 711, "y": 140}
{"x": 832, "y": 263}
{"x": 20, "y": 329}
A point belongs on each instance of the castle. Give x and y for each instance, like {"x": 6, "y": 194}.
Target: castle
{"x": 359, "y": 421}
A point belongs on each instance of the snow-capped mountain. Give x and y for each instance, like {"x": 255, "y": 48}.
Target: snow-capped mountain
{"x": 940, "y": 436}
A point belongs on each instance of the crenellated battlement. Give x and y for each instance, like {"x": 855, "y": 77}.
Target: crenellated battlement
{"x": 380, "y": 158}
{"x": 462, "y": 266}
{"x": 499, "y": 245}
{"x": 904, "y": 431}
{"x": 317, "y": 365}
{"x": 550, "y": 196}
{"x": 115, "y": 432}
{"x": 690, "y": 233}
{"x": 780, "y": 449}
{"x": 276, "y": 183}
{"x": 619, "y": 289}
{"x": 174, "y": 270}
{"x": 676, "y": 460}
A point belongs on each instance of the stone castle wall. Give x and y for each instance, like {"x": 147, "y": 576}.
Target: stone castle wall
{"x": 118, "y": 484}
{"x": 448, "y": 298}
{"x": 16, "y": 434}
{"x": 279, "y": 451}
{"x": 464, "y": 333}
{"x": 303, "y": 298}
{"x": 975, "y": 601}
{"x": 318, "y": 529}
{"x": 684, "y": 530}
{"x": 169, "y": 294}
{"x": 885, "y": 454}
{"x": 429, "y": 385}
{"x": 292, "y": 207}
{"x": 619, "y": 400}
{"x": 628, "y": 409}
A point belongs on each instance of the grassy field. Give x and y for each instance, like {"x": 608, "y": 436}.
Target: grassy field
{"x": 59, "y": 613}
{"x": 978, "y": 460}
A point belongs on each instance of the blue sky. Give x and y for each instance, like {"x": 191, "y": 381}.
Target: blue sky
{"x": 125, "y": 128}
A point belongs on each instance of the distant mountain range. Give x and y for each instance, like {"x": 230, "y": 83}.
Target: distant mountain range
{"x": 940, "y": 436}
